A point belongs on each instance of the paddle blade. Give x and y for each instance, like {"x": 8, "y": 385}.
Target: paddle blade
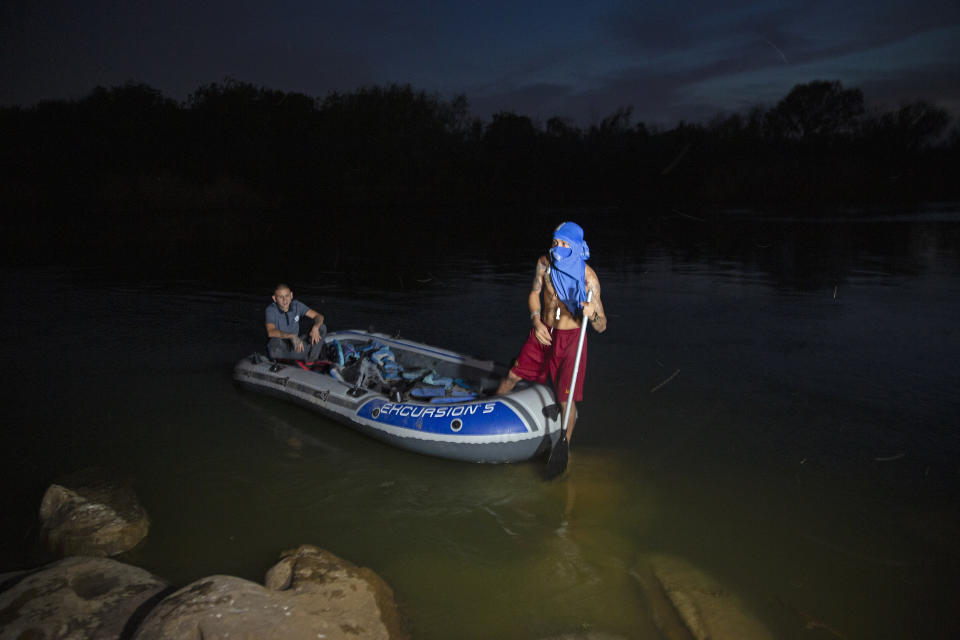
{"x": 557, "y": 463}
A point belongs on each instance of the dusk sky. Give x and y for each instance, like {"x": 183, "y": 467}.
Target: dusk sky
{"x": 682, "y": 59}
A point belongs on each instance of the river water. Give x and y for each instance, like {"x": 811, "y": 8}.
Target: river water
{"x": 774, "y": 405}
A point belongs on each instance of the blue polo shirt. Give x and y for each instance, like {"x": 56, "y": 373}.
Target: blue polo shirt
{"x": 288, "y": 322}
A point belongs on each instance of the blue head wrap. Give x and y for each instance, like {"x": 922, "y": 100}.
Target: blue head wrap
{"x": 568, "y": 266}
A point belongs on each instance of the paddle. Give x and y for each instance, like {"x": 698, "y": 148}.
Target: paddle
{"x": 557, "y": 463}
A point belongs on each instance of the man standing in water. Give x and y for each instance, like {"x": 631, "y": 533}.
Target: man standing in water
{"x": 560, "y": 287}
{"x": 283, "y": 318}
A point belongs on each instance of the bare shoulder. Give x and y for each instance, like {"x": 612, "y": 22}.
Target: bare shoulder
{"x": 591, "y": 276}
{"x": 543, "y": 267}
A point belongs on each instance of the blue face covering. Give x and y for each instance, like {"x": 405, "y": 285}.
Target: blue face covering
{"x": 568, "y": 266}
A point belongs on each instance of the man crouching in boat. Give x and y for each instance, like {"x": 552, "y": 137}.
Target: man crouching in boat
{"x": 561, "y": 283}
{"x": 283, "y": 315}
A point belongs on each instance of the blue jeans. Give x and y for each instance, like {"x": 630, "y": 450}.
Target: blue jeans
{"x": 281, "y": 349}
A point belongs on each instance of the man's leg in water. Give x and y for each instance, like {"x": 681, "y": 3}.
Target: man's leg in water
{"x": 573, "y": 419}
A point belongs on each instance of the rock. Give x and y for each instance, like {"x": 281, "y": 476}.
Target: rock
{"x": 77, "y": 598}
{"x": 707, "y": 609}
{"x": 91, "y": 514}
{"x": 310, "y": 593}
{"x": 10, "y": 577}
{"x": 280, "y": 575}
{"x": 665, "y": 616}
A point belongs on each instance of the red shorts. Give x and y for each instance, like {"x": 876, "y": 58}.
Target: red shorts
{"x": 538, "y": 363}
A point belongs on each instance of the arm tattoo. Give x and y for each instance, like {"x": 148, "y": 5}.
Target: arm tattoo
{"x": 538, "y": 278}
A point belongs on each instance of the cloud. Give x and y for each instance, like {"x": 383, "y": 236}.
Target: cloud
{"x": 693, "y": 60}
{"x": 687, "y": 59}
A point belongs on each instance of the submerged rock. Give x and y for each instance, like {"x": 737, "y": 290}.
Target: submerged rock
{"x": 665, "y": 616}
{"x": 706, "y": 609}
{"x": 76, "y": 598}
{"x": 91, "y": 514}
{"x": 310, "y": 593}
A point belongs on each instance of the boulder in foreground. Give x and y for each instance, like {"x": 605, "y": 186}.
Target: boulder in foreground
{"x": 310, "y": 593}
{"x": 77, "y": 598}
{"x": 91, "y": 514}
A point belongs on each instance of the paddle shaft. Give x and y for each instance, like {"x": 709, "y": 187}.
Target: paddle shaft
{"x": 576, "y": 368}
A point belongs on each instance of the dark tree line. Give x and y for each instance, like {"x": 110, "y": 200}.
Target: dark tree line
{"x": 130, "y": 163}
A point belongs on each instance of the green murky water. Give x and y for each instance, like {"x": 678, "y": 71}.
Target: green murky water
{"x": 801, "y": 453}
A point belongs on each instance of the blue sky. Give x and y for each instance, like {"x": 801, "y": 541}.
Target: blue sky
{"x": 670, "y": 61}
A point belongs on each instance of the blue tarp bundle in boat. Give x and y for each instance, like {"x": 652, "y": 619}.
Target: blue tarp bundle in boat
{"x": 379, "y": 365}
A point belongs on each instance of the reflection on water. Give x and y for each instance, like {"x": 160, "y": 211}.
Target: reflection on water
{"x": 768, "y": 432}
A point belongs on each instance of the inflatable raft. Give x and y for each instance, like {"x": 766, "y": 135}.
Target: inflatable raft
{"x": 414, "y": 396}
